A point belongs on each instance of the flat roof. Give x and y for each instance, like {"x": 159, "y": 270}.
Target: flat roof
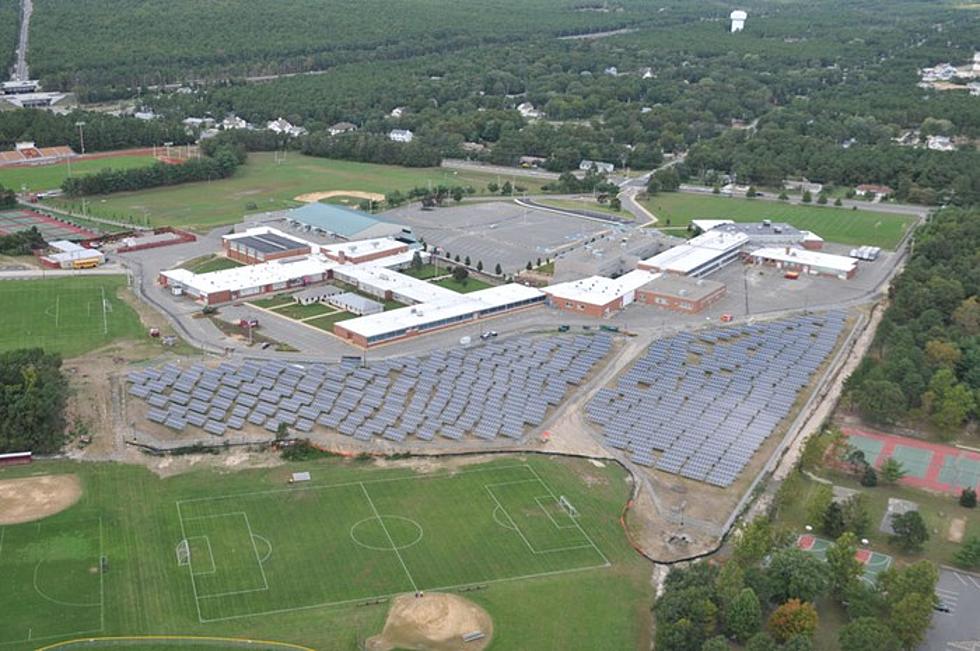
{"x": 694, "y": 289}
{"x": 356, "y": 301}
{"x": 384, "y": 280}
{"x": 755, "y": 229}
{"x": 705, "y": 225}
{"x": 267, "y": 240}
{"x": 599, "y": 290}
{"x": 806, "y": 257}
{"x": 362, "y": 247}
{"x": 333, "y": 219}
{"x": 698, "y": 251}
{"x": 250, "y": 276}
{"x": 458, "y": 305}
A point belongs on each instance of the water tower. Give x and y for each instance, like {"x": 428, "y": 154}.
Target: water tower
{"x": 738, "y": 20}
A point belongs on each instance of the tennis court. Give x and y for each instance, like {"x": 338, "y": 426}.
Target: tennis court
{"x": 13, "y": 221}
{"x": 874, "y": 562}
{"x": 932, "y": 466}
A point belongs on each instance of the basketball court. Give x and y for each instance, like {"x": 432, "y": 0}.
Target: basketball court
{"x": 932, "y": 466}
{"x": 874, "y": 563}
{"x": 13, "y": 221}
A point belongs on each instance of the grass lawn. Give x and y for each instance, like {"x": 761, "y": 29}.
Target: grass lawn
{"x": 273, "y": 301}
{"x": 937, "y": 511}
{"x": 208, "y": 263}
{"x": 326, "y": 322}
{"x": 297, "y": 311}
{"x": 586, "y": 204}
{"x": 465, "y": 287}
{"x": 295, "y": 564}
{"x": 70, "y": 316}
{"x": 266, "y": 185}
{"x": 426, "y": 272}
{"x": 833, "y": 224}
{"x": 50, "y": 177}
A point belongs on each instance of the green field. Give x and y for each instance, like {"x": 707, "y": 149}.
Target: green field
{"x": 297, "y": 311}
{"x": 857, "y": 227}
{"x": 586, "y": 204}
{"x": 327, "y": 322}
{"x": 49, "y": 177}
{"x": 70, "y": 316}
{"x": 264, "y": 560}
{"x": 465, "y": 287}
{"x": 425, "y": 272}
{"x": 262, "y": 184}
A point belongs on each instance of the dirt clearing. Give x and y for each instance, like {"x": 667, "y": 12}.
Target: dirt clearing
{"x": 310, "y": 197}
{"x": 32, "y": 498}
{"x": 435, "y": 622}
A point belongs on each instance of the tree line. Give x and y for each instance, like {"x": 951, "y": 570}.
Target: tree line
{"x": 102, "y": 132}
{"x": 33, "y": 394}
{"x": 218, "y": 162}
{"x": 924, "y": 364}
{"x": 22, "y": 242}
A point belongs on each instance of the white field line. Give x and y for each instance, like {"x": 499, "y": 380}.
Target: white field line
{"x": 524, "y": 538}
{"x": 251, "y": 538}
{"x": 183, "y": 535}
{"x": 214, "y": 566}
{"x": 316, "y": 487}
{"x": 101, "y": 580}
{"x": 577, "y": 523}
{"x": 105, "y": 322}
{"x": 57, "y": 310}
{"x": 548, "y": 513}
{"x": 391, "y": 540}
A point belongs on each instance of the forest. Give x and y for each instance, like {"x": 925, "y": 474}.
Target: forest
{"x": 33, "y": 393}
{"x": 9, "y": 12}
{"x": 924, "y": 365}
{"x": 219, "y": 161}
{"x": 102, "y": 132}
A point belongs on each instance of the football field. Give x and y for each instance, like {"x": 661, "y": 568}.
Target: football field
{"x": 66, "y": 315}
{"x": 303, "y": 547}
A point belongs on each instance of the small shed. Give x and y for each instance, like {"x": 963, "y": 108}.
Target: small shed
{"x": 355, "y": 303}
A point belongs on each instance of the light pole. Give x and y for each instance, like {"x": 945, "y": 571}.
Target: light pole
{"x": 81, "y": 135}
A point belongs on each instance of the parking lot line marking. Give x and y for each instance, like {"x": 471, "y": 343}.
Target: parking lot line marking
{"x": 957, "y": 575}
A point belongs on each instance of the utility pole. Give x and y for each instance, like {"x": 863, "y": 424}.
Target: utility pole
{"x": 81, "y": 134}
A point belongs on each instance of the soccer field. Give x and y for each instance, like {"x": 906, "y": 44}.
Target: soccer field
{"x": 855, "y": 227}
{"x": 244, "y": 554}
{"x": 50, "y": 177}
{"x": 66, "y": 315}
{"x": 282, "y": 550}
{"x": 264, "y": 184}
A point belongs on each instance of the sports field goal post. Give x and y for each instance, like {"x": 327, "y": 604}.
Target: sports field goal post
{"x": 183, "y": 553}
{"x": 567, "y": 506}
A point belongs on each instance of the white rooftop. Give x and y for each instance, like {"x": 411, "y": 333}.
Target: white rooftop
{"x": 250, "y": 276}
{"x": 806, "y": 257}
{"x": 599, "y": 290}
{"x": 382, "y": 279}
{"x": 362, "y": 247}
{"x": 705, "y": 225}
{"x": 457, "y": 305}
{"x": 697, "y": 251}
{"x": 267, "y": 230}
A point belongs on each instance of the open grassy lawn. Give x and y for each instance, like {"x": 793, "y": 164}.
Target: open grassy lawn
{"x": 266, "y": 185}
{"x": 50, "y": 177}
{"x": 586, "y": 204}
{"x": 937, "y": 511}
{"x": 465, "y": 287}
{"x": 840, "y": 225}
{"x": 297, "y": 311}
{"x": 425, "y": 272}
{"x": 326, "y": 322}
{"x": 70, "y": 316}
{"x": 208, "y": 263}
{"x": 245, "y": 555}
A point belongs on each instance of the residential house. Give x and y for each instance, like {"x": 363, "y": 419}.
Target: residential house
{"x": 341, "y": 127}
{"x": 598, "y": 166}
{"x": 401, "y": 135}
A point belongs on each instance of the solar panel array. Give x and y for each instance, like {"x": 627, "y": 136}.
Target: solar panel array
{"x": 494, "y": 390}
{"x": 707, "y": 401}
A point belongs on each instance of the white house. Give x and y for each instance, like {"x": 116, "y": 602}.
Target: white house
{"x": 234, "y": 122}
{"x": 940, "y": 143}
{"x": 401, "y": 135}
{"x": 527, "y": 110}
{"x": 341, "y": 127}
{"x": 738, "y": 20}
{"x": 612, "y": 71}
{"x": 398, "y": 111}
{"x": 283, "y": 126}
{"x": 599, "y": 166}
{"x": 198, "y": 123}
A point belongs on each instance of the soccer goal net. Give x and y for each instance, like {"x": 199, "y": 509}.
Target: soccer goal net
{"x": 567, "y": 506}
{"x": 183, "y": 553}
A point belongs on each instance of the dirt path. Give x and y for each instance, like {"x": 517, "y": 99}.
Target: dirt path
{"x": 433, "y": 622}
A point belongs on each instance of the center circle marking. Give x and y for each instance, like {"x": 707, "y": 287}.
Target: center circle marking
{"x": 359, "y": 531}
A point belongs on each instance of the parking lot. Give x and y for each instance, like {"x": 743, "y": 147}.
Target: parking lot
{"x": 958, "y": 629}
{"x": 496, "y": 231}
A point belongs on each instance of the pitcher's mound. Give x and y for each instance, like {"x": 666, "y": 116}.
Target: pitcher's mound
{"x": 435, "y": 622}
{"x": 32, "y": 498}
{"x": 310, "y": 197}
